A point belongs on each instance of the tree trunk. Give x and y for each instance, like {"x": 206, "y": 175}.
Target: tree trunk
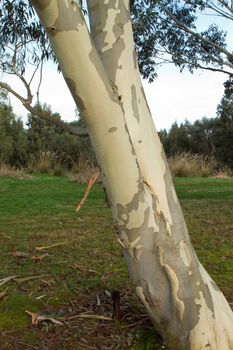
{"x": 184, "y": 304}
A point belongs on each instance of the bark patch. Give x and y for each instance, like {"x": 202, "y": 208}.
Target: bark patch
{"x": 113, "y": 129}
{"x": 71, "y": 84}
{"x": 134, "y": 103}
{"x": 41, "y": 5}
{"x": 62, "y": 23}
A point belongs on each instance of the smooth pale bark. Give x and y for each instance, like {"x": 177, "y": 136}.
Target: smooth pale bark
{"x": 183, "y": 302}
{"x": 118, "y": 55}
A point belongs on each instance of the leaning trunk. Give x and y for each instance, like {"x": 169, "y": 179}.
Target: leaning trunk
{"x": 184, "y": 304}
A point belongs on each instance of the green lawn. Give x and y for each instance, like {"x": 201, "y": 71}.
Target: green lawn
{"x": 78, "y": 275}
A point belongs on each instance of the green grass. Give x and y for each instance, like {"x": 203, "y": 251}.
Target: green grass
{"x": 204, "y": 188}
{"x": 41, "y": 212}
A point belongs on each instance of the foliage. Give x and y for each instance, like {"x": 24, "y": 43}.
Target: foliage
{"x": 208, "y": 137}
{"x": 164, "y": 31}
{"x": 42, "y": 146}
{"x": 40, "y": 133}
{"x": 174, "y": 35}
{"x": 12, "y": 136}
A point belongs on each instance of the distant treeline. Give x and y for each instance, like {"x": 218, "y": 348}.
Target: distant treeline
{"x": 208, "y": 137}
{"x": 40, "y": 140}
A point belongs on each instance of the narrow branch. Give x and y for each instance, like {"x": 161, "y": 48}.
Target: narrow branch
{"x": 220, "y": 12}
{"x": 40, "y": 81}
{"x": 225, "y": 4}
{"x": 33, "y": 74}
{"x": 197, "y": 65}
{"x": 197, "y": 35}
{"x": 25, "y": 83}
{"x": 212, "y": 69}
{"x": 65, "y": 126}
{"x": 45, "y": 115}
{"x": 8, "y": 88}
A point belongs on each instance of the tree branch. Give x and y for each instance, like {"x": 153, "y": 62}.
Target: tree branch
{"x": 197, "y": 35}
{"x": 45, "y": 115}
{"x": 225, "y": 4}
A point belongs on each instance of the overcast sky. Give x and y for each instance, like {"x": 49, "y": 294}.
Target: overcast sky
{"x": 174, "y": 96}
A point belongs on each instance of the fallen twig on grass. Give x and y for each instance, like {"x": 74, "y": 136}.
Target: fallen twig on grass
{"x": 6, "y": 280}
{"x": 50, "y": 246}
{"x": 82, "y": 268}
{"x": 36, "y": 318}
{"x": 39, "y": 257}
{"x": 41, "y": 297}
{"x": 95, "y": 317}
{"x": 91, "y": 183}
{"x": 17, "y": 254}
{"x": 25, "y": 279}
{"x": 48, "y": 283}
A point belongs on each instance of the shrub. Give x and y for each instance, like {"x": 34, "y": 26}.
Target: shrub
{"x": 58, "y": 169}
{"x": 187, "y": 164}
{"x": 7, "y": 170}
{"x": 42, "y": 163}
{"x": 82, "y": 164}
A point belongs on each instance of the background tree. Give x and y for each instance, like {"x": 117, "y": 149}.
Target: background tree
{"x": 40, "y": 133}
{"x": 174, "y": 35}
{"x": 12, "y": 136}
{"x": 223, "y": 133}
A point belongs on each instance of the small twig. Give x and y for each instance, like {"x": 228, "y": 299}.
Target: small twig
{"x": 82, "y": 268}
{"x": 7, "y": 279}
{"x": 95, "y": 317}
{"x": 18, "y": 254}
{"x": 40, "y": 81}
{"x": 91, "y": 183}
{"x": 36, "y": 318}
{"x": 41, "y": 297}
{"x": 50, "y": 246}
{"x": 48, "y": 283}
{"x": 25, "y": 279}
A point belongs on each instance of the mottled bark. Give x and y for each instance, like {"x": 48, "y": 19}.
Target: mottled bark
{"x": 183, "y": 302}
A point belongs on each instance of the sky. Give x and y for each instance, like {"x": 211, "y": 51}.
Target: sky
{"x": 174, "y": 96}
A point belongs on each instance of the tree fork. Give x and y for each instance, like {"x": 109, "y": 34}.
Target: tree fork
{"x": 183, "y": 302}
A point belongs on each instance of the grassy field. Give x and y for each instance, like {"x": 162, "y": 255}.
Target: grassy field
{"x": 78, "y": 274}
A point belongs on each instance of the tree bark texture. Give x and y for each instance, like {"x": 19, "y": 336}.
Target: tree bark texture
{"x": 101, "y": 71}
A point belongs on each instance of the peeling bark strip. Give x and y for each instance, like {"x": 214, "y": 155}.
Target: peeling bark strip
{"x": 179, "y": 295}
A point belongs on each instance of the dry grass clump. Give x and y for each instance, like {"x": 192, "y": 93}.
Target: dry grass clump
{"x": 46, "y": 163}
{"x": 81, "y": 165}
{"x": 83, "y": 169}
{"x": 43, "y": 163}
{"x": 85, "y": 175}
{"x": 187, "y": 164}
{"x": 224, "y": 173}
{"x": 7, "y": 170}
